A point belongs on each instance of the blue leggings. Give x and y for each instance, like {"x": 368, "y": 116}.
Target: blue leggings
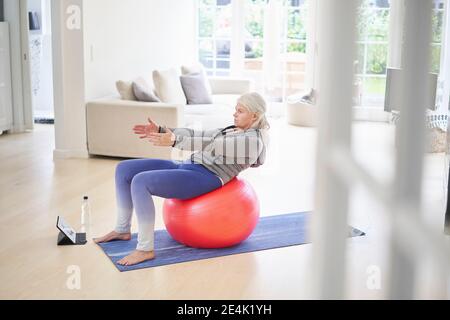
{"x": 138, "y": 180}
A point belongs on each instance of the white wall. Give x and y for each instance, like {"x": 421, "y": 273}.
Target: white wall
{"x": 127, "y": 39}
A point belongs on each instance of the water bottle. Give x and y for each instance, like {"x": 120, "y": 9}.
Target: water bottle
{"x": 85, "y": 216}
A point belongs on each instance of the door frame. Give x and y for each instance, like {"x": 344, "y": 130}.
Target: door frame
{"x": 28, "y": 110}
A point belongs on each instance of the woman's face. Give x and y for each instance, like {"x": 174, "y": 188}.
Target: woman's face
{"x": 244, "y": 119}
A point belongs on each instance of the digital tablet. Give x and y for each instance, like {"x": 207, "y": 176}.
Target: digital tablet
{"x": 67, "y": 230}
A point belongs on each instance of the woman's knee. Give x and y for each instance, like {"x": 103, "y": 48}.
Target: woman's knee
{"x": 144, "y": 181}
{"x": 123, "y": 170}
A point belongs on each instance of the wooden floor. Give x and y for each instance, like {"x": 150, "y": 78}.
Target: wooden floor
{"x": 34, "y": 189}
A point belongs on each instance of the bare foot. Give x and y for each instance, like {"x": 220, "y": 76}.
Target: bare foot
{"x": 113, "y": 235}
{"x": 136, "y": 257}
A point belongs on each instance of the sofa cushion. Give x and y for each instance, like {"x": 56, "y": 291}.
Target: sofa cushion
{"x": 168, "y": 86}
{"x": 194, "y": 89}
{"x": 144, "y": 93}
{"x": 198, "y": 68}
{"x": 125, "y": 89}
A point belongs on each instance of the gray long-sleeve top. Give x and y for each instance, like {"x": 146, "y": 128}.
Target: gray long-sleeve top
{"x": 224, "y": 151}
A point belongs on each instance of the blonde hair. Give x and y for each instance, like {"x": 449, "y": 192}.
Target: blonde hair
{"x": 255, "y": 103}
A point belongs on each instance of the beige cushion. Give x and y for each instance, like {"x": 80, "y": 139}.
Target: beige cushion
{"x": 125, "y": 89}
{"x": 168, "y": 86}
{"x": 198, "y": 68}
{"x": 144, "y": 93}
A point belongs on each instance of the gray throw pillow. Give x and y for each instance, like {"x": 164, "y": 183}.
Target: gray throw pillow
{"x": 195, "y": 89}
{"x": 144, "y": 94}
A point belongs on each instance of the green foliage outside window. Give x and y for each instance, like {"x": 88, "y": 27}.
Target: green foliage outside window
{"x": 296, "y": 47}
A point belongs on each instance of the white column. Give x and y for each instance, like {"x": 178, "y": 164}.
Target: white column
{"x": 410, "y": 150}
{"x": 68, "y": 79}
{"x": 336, "y": 53}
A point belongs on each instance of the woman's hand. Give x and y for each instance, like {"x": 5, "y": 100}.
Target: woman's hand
{"x": 162, "y": 139}
{"x": 147, "y": 129}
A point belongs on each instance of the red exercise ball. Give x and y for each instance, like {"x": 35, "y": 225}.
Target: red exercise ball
{"x": 218, "y": 219}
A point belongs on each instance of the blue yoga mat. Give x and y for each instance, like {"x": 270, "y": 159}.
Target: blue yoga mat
{"x": 270, "y": 233}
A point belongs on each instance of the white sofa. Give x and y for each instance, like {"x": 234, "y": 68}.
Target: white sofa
{"x": 110, "y": 120}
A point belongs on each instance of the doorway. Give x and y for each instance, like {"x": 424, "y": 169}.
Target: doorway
{"x": 40, "y": 59}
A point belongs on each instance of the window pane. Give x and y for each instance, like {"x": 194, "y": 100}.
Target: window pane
{"x": 253, "y": 55}
{"x": 223, "y": 64}
{"x": 223, "y": 2}
{"x": 223, "y": 49}
{"x": 438, "y": 21}
{"x": 296, "y": 24}
{"x": 378, "y": 25}
{"x": 374, "y": 91}
{"x": 254, "y": 49}
{"x": 206, "y": 2}
{"x": 358, "y": 91}
{"x": 223, "y": 22}
{"x": 362, "y": 20}
{"x": 254, "y": 21}
{"x": 376, "y": 59}
{"x": 375, "y": 85}
{"x": 257, "y": 2}
{"x": 294, "y": 3}
{"x": 206, "y": 48}
{"x": 359, "y": 63}
{"x": 206, "y": 22}
{"x": 438, "y": 4}
{"x": 435, "y": 58}
{"x": 206, "y": 53}
{"x": 222, "y": 73}
{"x": 296, "y": 47}
{"x": 377, "y": 3}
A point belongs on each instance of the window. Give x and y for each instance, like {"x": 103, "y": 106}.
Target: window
{"x": 437, "y": 29}
{"x": 214, "y": 36}
{"x": 294, "y": 45}
{"x": 215, "y": 23}
{"x": 372, "y": 53}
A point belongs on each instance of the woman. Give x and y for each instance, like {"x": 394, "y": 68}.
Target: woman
{"x": 209, "y": 168}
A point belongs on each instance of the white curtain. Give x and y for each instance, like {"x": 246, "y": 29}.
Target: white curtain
{"x": 272, "y": 44}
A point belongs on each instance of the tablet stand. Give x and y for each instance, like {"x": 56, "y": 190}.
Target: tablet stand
{"x": 63, "y": 240}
